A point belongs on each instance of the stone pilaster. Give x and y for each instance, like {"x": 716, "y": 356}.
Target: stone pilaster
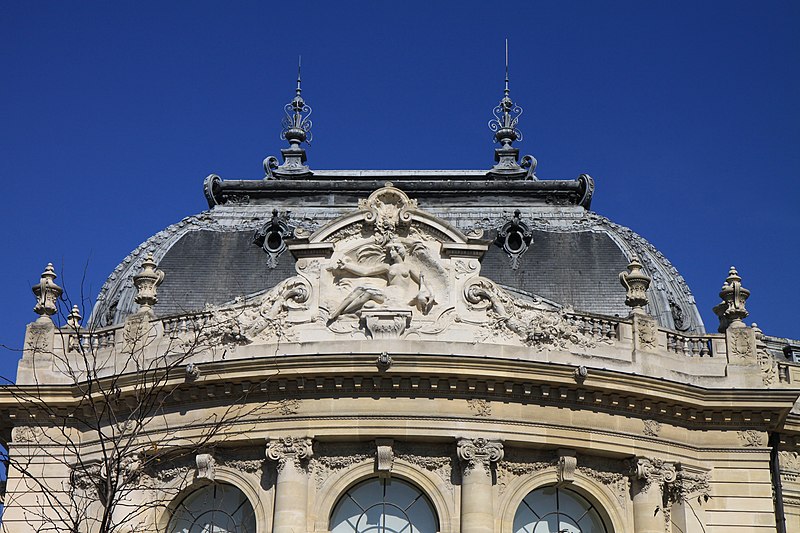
{"x": 649, "y": 478}
{"x": 477, "y": 508}
{"x": 291, "y": 487}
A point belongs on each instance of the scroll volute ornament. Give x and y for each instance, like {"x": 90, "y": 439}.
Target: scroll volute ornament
{"x": 147, "y": 282}
{"x": 47, "y": 292}
{"x": 636, "y": 283}
{"x": 732, "y": 310}
{"x": 479, "y": 452}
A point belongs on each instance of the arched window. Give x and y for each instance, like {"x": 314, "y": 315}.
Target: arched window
{"x": 384, "y": 506}
{"x": 556, "y": 510}
{"x": 215, "y": 508}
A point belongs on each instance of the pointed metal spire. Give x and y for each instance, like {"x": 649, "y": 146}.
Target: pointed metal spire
{"x": 504, "y": 125}
{"x": 296, "y": 130}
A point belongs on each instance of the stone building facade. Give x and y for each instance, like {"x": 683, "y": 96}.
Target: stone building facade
{"x": 432, "y": 351}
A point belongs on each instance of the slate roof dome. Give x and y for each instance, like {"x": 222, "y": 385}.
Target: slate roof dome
{"x": 545, "y": 242}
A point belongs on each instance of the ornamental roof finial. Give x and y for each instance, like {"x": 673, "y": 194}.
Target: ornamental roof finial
{"x": 47, "y": 292}
{"x": 296, "y": 130}
{"x": 732, "y": 309}
{"x": 504, "y": 126}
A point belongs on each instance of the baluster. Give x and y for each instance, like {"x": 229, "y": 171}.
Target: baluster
{"x": 704, "y": 350}
{"x": 695, "y": 347}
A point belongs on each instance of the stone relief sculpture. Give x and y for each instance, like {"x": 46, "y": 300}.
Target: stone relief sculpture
{"x": 243, "y": 323}
{"x": 535, "y": 323}
{"x": 404, "y": 284}
{"x": 391, "y": 270}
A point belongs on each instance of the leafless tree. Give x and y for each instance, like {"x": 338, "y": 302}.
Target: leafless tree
{"x": 85, "y": 445}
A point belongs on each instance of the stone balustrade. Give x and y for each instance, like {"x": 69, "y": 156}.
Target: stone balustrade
{"x": 690, "y": 345}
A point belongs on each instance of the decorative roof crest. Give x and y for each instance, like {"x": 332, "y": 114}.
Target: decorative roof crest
{"x": 504, "y": 125}
{"x": 296, "y": 130}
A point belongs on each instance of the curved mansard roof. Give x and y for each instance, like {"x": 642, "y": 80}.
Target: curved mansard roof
{"x": 571, "y": 256}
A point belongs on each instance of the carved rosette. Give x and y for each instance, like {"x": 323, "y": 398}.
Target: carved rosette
{"x": 479, "y": 453}
{"x": 297, "y": 450}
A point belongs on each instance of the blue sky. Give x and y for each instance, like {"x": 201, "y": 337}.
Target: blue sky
{"x": 685, "y": 113}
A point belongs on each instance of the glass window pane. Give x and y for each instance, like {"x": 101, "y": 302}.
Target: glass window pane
{"x": 554, "y": 510}
{"x": 217, "y": 508}
{"x": 383, "y": 506}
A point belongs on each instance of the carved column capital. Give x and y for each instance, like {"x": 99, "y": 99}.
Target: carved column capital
{"x": 290, "y": 449}
{"x": 650, "y": 471}
{"x": 479, "y": 452}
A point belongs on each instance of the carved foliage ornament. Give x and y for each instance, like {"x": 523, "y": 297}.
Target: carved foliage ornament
{"x": 751, "y": 438}
{"x": 646, "y": 331}
{"x": 652, "y": 428}
{"x": 741, "y": 343}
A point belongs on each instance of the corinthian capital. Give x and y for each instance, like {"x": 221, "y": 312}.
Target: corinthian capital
{"x": 294, "y": 449}
{"x": 479, "y": 452}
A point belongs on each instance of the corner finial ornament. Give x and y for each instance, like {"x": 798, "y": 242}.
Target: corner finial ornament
{"x": 636, "y": 282}
{"x": 47, "y": 292}
{"x": 732, "y": 309}
{"x": 147, "y": 282}
{"x": 74, "y": 319}
{"x": 296, "y": 130}
{"x": 504, "y": 125}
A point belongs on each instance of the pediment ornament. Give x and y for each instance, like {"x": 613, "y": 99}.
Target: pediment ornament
{"x": 390, "y": 270}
